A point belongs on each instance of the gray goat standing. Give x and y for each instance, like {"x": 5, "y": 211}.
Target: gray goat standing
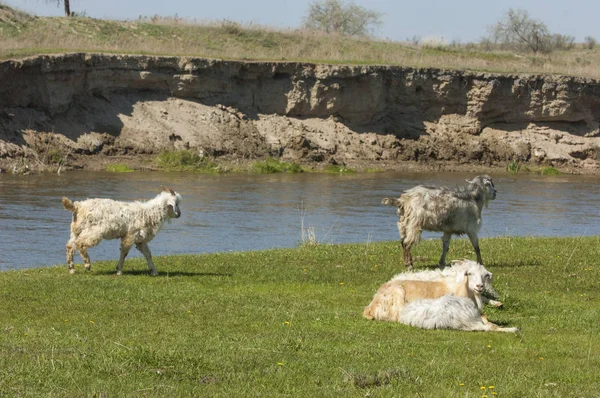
{"x": 448, "y": 210}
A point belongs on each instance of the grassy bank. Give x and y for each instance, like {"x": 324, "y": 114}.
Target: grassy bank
{"x": 23, "y": 34}
{"x": 288, "y": 323}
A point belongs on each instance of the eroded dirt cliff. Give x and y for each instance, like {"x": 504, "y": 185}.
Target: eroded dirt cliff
{"x": 81, "y": 106}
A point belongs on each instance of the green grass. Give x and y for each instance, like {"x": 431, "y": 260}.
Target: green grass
{"x": 288, "y": 323}
{"x": 186, "y": 160}
{"x": 548, "y": 171}
{"x": 513, "y": 167}
{"x": 337, "y": 169}
{"x": 119, "y": 168}
{"x": 272, "y": 165}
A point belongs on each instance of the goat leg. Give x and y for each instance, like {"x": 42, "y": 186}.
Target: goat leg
{"x": 143, "y": 247}
{"x": 475, "y": 242}
{"x": 86, "y": 258}
{"x": 124, "y": 252}
{"x": 445, "y": 248}
{"x": 70, "y": 254}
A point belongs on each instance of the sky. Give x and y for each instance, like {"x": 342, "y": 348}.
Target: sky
{"x": 460, "y": 20}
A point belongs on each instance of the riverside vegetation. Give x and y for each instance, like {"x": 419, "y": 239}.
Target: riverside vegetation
{"x": 24, "y": 35}
{"x": 289, "y": 322}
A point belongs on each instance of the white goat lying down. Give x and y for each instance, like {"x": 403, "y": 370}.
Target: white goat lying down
{"x": 391, "y": 298}
{"x": 458, "y": 312}
{"x": 458, "y": 267}
{"x": 448, "y": 210}
{"x": 132, "y": 222}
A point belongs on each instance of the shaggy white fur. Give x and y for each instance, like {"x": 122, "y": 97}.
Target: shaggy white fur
{"x": 448, "y": 210}
{"x": 132, "y": 222}
{"x": 448, "y": 312}
{"x": 391, "y": 298}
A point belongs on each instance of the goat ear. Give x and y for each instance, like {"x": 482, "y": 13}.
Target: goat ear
{"x": 469, "y": 181}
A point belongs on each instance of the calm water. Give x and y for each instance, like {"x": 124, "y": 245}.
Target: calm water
{"x": 250, "y": 212}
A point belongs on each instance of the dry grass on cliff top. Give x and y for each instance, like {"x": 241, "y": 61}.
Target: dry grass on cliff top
{"x": 23, "y": 35}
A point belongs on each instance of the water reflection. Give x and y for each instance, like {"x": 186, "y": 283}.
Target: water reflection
{"x": 250, "y": 212}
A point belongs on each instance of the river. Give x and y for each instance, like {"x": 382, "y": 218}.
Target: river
{"x": 239, "y": 212}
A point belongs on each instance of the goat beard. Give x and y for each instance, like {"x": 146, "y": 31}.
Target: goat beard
{"x": 486, "y": 202}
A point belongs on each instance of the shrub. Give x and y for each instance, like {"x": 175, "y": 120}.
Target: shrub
{"x": 590, "y": 42}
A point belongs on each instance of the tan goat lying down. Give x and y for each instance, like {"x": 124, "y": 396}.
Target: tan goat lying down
{"x": 391, "y": 298}
{"x": 454, "y": 302}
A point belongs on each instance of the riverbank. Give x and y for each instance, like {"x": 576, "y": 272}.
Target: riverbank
{"x": 288, "y": 322}
{"x": 70, "y": 110}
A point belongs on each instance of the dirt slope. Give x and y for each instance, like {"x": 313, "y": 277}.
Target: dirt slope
{"x": 85, "y": 107}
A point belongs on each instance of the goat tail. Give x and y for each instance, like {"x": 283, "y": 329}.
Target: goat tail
{"x": 391, "y": 202}
{"x": 68, "y": 204}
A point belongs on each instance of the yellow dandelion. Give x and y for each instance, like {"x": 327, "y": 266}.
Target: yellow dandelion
{"x": 482, "y": 388}
{"x": 91, "y": 322}
{"x": 279, "y": 363}
{"x": 484, "y": 396}
{"x": 489, "y": 346}
{"x": 494, "y": 393}
{"x": 341, "y": 283}
{"x": 287, "y": 323}
{"x": 299, "y": 340}
{"x": 491, "y": 387}
{"x": 541, "y": 358}
{"x": 462, "y": 384}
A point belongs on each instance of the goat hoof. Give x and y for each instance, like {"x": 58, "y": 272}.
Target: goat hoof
{"x": 71, "y": 271}
{"x": 119, "y": 273}
{"x": 154, "y": 273}
{"x": 497, "y": 304}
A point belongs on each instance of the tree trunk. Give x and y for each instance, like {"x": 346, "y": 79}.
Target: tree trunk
{"x": 67, "y": 8}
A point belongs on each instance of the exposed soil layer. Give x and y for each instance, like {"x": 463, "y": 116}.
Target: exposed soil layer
{"x": 86, "y": 110}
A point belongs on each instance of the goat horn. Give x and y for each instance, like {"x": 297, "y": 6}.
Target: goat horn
{"x": 169, "y": 190}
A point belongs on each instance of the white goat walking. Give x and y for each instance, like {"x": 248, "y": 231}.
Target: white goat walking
{"x": 458, "y": 267}
{"x": 448, "y": 210}
{"x": 391, "y": 298}
{"x": 458, "y": 311}
{"x": 132, "y": 222}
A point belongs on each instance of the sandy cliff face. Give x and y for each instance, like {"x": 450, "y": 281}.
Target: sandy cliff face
{"x": 87, "y": 104}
